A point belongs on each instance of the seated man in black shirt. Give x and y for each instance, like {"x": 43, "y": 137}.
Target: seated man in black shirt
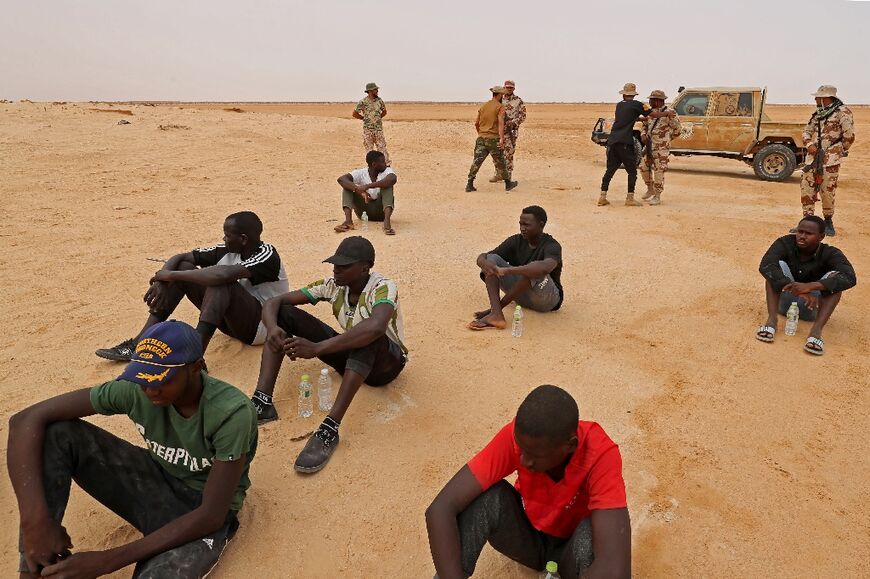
{"x": 526, "y": 266}
{"x": 620, "y": 142}
{"x": 800, "y": 268}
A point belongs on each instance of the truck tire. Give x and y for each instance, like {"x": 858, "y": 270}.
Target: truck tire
{"x": 774, "y": 163}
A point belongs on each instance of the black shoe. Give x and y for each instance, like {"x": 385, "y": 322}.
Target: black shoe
{"x": 265, "y": 412}
{"x": 508, "y": 185}
{"x": 123, "y": 352}
{"x": 317, "y": 450}
{"x": 829, "y": 227}
{"x": 469, "y": 187}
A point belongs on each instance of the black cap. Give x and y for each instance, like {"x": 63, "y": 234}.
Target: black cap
{"x": 352, "y": 250}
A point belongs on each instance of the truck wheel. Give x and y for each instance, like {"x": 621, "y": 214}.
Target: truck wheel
{"x": 774, "y": 163}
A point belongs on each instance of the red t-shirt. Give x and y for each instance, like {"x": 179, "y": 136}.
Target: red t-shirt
{"x": 593, "y": 479}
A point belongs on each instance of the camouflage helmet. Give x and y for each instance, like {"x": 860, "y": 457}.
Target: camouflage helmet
{"x": 629, "y": 89}
{"x": 826, "y": 90}
{"x": 657, "y": 94}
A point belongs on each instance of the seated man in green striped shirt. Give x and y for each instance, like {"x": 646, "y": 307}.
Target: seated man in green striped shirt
{"x": 371, "y": 349}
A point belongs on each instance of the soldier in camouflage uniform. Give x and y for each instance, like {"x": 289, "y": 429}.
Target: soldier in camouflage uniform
{"x": 490, "y": 140}
{"x": 514, "y": 115}
{"x": 656, "y": 137}
{"x": 371, "y": 109}
{"x": 834, "y": 120}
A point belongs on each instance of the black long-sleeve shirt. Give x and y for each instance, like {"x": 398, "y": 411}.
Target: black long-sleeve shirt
{"x": 807, "y": 269}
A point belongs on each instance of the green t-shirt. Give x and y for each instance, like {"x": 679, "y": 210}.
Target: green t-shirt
{"x": 223, "y": 428}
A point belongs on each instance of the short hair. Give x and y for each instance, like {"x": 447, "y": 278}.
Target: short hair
{"x": 820, "y": 223}
{"x": 548, "y": 412}
{"x": 247, "y": 222}
{"x": 373, "y": 156}
{"x": 537, "y": 211}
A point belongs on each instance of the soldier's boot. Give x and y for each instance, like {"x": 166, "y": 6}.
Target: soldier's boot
{"x": 630, "y": 201}
{"x": 829, "y": 226}
{"x": 495, "y": 179}
{"x": 469, "y": 187}
{"x": 649, "y": 193}
{"x": 508, "y": 184}
{"x": 656, "y": 199}
{"x": 602, "y": 201}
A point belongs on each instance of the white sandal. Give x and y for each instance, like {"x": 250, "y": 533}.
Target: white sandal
{"x": 765, "y": 333}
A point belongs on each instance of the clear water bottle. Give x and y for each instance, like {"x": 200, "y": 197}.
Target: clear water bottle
{"x": 791, "y": 319}
{"x": 306, "y": 404}
{"x": 324, "y": 391}
{"x": 552, "y": 570}
{"x": 517, "y": 327}
{"x": 365, "y": 221}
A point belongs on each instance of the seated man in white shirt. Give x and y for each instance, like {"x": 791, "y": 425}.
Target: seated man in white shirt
{"x": 369, "y": 189}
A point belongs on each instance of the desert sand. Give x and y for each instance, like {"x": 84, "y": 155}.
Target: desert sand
{"x": 741, "y": 459}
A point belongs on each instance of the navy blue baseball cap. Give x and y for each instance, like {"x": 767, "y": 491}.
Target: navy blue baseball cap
{"x": 163, "y": 349}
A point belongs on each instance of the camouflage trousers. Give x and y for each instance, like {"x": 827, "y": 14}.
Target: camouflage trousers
{"x": 828, "y": 191}
{"x": 510, "y": 145}
{"x": 653, "y": 173}
{"x": 484, "y": 147}
{"x": 374, "y": 141}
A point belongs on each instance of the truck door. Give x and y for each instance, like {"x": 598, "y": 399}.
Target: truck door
{"x": 692, "y": 107}
{"x": 731, "y": 125}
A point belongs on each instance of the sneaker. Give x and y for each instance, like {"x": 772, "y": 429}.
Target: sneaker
{"x": 317, "y": 450}
{"x": 123, "y": 352}
{"x": 508, "y": 185}
{"x": 265, "y": 412}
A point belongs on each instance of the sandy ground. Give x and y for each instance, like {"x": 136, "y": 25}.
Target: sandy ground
{"x": 742, "y": 459}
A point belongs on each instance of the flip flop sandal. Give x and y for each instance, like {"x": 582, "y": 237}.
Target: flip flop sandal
{"x": 389, "y": 231}
{"x": 479, "y": 326}
{"x": 343, "y": 228}
{"x": 815, "y": 346}
{"x": 765, "y": 333}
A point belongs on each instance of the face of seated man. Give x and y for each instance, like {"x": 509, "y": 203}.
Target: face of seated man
{"x": 808, "y": 235}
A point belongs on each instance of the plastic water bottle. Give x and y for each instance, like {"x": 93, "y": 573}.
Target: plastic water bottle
{"x": 517, "y": 327}
{"x": 791, "y": 320}
{"x": 552, "y": 570}
{"x": 365, "y": 221}
{"x": 306, "y": 404}
{"x": 324, "y": 391}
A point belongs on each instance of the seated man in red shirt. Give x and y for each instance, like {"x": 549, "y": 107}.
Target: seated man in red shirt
{"x": 568, "y": 505}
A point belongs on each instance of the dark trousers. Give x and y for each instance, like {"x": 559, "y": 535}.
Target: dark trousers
{"x": 620, "y": 155}
{"x": 230, "y": 307}
{"x": 379, "y": 363}
{"x": 125, "y": 478}
{"x": 497, "y": 516}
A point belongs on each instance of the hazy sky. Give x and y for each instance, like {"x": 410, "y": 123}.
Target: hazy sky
{"x": 442, "y": 50}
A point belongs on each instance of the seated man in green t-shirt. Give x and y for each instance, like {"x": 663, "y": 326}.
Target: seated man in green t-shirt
{"x": 527, "y": 267}
{"x": 182, "y": 491}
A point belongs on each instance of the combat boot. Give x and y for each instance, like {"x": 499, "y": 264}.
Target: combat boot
{"x": 495, "y": 179}
{"x": 649, "y": 193}
{"x": 602, "y": 201}
{"x": 829, "y": 227}
{"x": 655, "y": 200}
{"x": 508, "y": 184}
{"x": 469, "y": 187}
{"x": 630, "y": 201}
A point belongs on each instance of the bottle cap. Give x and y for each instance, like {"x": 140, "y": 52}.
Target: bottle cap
{"x": 518, "y": 308}
{"x": 552, "y": 567}
{"x": 324, "y": 372}
{"x": 306, "y": 377}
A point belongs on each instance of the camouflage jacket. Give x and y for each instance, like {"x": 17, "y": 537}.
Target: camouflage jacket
{"x": 665, "y": 129}
{"x": 838, "y": 134}
{"x": 371, "y": 111}
{"x": 514, "y": 111}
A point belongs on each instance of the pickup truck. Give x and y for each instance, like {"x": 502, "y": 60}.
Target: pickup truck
{"x": 730, "y": 122}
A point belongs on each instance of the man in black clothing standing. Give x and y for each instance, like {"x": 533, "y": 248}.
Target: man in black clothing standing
{"x": 526, "y": 266}
{"x": 800, "y": 268}
{"x": 620, "y": 142}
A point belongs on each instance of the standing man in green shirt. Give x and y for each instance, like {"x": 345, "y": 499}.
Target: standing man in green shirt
{"x": 490, "y": 140}
{"x": 182, "y": 491}
{"x": 371, "y": 109}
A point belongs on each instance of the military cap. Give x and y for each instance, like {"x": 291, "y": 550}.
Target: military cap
{"x": 629, "y": 89}
{"x": 498, "y": 89}
{"x": 826, "y": 90}
{"x": 509, "y": 83}
{"x": 657, "y": 94}
{"x": 371, "y": 86}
